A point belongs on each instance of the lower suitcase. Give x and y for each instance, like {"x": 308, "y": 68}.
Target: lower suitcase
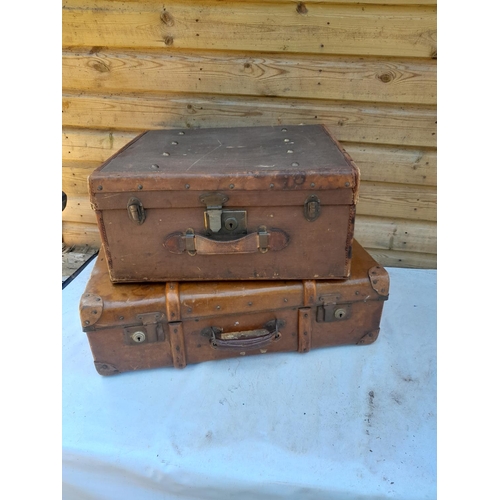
{"x": 138, "y": 326}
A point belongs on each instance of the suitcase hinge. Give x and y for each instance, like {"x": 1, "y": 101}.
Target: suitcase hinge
{"x": 150, "y": 331}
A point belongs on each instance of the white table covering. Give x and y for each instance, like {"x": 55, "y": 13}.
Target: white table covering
{"x": 343, "y": 423}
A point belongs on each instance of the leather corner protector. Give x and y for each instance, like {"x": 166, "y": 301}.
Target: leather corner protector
{"x": 105, "y": 368}
{"x": 91, "y": 307}
{"x": 379, "y": 279}
{"x": 368, "y": 338}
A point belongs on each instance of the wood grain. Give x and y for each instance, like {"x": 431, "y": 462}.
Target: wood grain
{"x": 395, "y": 31}
{"x": 396, "y": 234}
{"x": 341, "y": 78}
{"x": 308, "y": 2}
{"x": 74, "y": 177}
{"x": 75, "y": 233}
{"x": 353, "y": 122}
{"x": 397, "y": 200}
{"x": 393, "y": 258}
{"x": 92, "y": 145}
{"x": 394, "y": 164}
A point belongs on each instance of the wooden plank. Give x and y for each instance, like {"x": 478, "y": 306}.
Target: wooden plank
{"x": 78, "y": 209}
{"x": 93, "y": 146}
{"x": 397, "y": 200}
{"x": 396, "y": 234}
{"x": 78, "y": 234}
{"x": 392, "y": 258}
{"x": 341, "y": 78}
{"x": 394, "y": 164}
{"x": 74, "y": 176}
{"x": 396, "y": 31}
{"x": 354, "y": 122}
{"x": 307, "y": 2}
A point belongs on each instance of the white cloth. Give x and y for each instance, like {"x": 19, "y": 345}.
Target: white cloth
{"x": 343, "y": 423}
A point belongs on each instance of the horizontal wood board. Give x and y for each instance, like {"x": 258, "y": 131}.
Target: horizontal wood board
{"x": 370, "y": 79}
{"x": 381, "y": 30}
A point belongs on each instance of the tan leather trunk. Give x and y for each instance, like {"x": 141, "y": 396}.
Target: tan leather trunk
{"x": 137, "y": 326}
{"x": 254, "y": 203}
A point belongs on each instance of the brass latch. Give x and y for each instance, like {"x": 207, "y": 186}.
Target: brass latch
{"x": 312, "y": 208}
{"x": 222, "y": 222}
{"x": 136, "y": 211}
{"x": 263, "y": 239}
{"x": 328, "y": 313}
{"x": 150, "y": 331}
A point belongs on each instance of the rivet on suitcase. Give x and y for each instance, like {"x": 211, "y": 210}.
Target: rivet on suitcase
{"x": 255, "y": 203}
{"x": 138, "y": 326}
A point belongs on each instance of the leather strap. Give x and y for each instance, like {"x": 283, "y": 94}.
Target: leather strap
{"x": 247, "y": 340}
{"x": 260, "y": 241}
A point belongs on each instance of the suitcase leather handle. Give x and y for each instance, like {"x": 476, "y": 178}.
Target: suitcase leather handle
{"x": 244, "y": 340}
{"x": 262, "y": 241}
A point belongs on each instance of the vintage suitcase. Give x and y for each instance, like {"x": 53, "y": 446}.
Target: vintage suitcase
{"x": 255, "y": 203}
{"x": 136, "y": 326}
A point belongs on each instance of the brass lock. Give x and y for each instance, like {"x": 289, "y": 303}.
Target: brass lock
{"x": 222, "y": 222}
{"x": 327, "y": 313}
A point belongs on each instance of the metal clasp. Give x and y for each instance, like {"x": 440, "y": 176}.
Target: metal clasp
{"x": 263, "y": 239}
{"x": 136, "y": 211}
{"x": 222, "y": 222}
{"x": 312, "y": 208}
{"x": 213, "y": 215}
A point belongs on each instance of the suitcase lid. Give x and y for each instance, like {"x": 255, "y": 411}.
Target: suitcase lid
{"x": 105, "y": 305}
{"x": 267, "y": 158}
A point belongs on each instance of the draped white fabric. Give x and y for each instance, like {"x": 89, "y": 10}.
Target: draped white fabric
{"x": 354, "y": 422}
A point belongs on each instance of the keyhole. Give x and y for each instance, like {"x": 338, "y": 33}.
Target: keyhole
{"x": 138, "y": 337}
{"x": 231, "y": 224}
{"x": 340, "y": 313}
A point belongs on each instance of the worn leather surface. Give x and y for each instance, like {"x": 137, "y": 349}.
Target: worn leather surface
{"x": 269, "y": 172}
{"x": 185, "y": 310}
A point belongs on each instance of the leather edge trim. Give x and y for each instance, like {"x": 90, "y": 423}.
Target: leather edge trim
{"x": 304, "y": 330}
{"x": 91, "y": 307}
{"x": 178, "y": 349}
{"x": 172, "y": 301}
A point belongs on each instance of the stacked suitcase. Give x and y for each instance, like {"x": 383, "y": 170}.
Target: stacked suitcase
{"x": 219, "y": 243}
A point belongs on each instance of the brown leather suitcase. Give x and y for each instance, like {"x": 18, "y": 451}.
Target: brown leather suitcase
{"x": 137, "y": 326}
{"x": 254, "y": 203}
